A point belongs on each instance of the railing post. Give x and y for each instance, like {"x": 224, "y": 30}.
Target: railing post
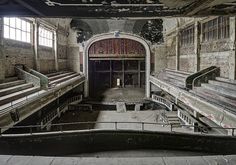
{"x": 142, "y": 126}
{"x": 61, "y": 128}
{"x": 171, "y": 128}
{"x": 31, "y": 131}
{"x": 233, "y": 131}
{"x": 115, "y": 125}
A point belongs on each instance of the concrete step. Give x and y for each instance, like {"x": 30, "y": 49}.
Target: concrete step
{"x": 63, "y": 79}
{"x": 222, "y": 90}
{"x": 55, "y": 73}
{"x": 177, "y": 71}
{"x": 16, "y": 88}
{"x": 17, "y": 95}
{"x": 9, "y": 79}
{"x": 11, "y": 84}
{"x": 223, "y": 84}
{"x": 226, "y": 80}
{"x": 175, "y": 77}
{"x": 174, "y": 82}
{"x": 215, "y": 98}
{"x": 59, "y": 76}
{"x": 178, "y": 74}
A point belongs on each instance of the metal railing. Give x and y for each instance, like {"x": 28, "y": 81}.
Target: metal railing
{"x": 203, "y": 78}
{"x": 33, "y": 97}
{"x": 56, "y": 112}
{"x": 189, "y": 81}
{"x": 115, "y": 126}
{"x": 163, "y": 101}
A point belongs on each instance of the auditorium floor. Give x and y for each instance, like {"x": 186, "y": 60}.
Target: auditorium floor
{"x": 121, "y": 94}
{"x": 149, "y": 116}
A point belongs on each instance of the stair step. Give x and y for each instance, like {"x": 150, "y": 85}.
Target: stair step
{"x": 17, "y": 95}
{"x": 55, "y": 73}
{"x": 11, "y": 84}
{"x": 219, "y": 89}
{"x": 59, "y": 76}
{"x": 175, "y": 77}
{"x": 9, "y": 79}
{"x": 63, "y": 79}
{"x": 13, "y": 89}
{"x": 223, "y": 84}
{"x": 183, "y": 76}
{"x": 226, "y": 80}
{"x": 178, "y": 72}
{"x": 214, "y": 97}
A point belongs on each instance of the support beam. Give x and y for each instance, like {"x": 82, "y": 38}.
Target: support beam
{"x": 35, "y": 43}
{"x": 2, "y": 56}
{"x": 55, "y": 50}
{"x": 232, "y": 56}
{"x": 177, "y": 46}
{"x": 197, "y": 28}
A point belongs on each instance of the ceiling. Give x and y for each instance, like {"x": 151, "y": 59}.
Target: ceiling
{"x": 116, "y": 8}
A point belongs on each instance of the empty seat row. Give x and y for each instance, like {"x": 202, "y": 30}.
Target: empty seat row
{"x": 13, "y": 89}
{"x": 220, "y": 91}
{"x": 173, "y": 77}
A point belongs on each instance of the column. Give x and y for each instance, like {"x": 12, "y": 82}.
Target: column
{"x": 35, "y": 45}
{"x": 197, "y": 46}
{"x": 2, "y": 56}
{"x": 55, "y": 50}
{"x": 232, "y": 57}
{"x": 177, "y": 46}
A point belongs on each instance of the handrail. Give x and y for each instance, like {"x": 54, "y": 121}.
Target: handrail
{"x": 115, "y": 126}
{"x": 189, "y": 81}
{"x": 38, "y": 94}
{"x": 211, "y": 74}
{"x": 168, "y": 104}
{"x": 22, "y": 74}
{"x": 56, "y": 112}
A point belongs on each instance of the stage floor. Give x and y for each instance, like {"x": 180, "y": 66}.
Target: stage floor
{"x": 133, "y": 95}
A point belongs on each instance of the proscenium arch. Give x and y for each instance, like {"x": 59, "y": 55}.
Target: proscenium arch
{"x": 122, "y": 36}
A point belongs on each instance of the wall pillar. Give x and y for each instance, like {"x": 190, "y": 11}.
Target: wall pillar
{"x": 232, "y": 56}
{"x": 55, "y": 50}
{"x": 197, "y": 45}
{"x": 2, "y": 56}
{"x": 177, "y": 46}
{"x": 35, "y": 45}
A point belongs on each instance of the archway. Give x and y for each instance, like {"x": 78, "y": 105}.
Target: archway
{"x": 116, "y": 35}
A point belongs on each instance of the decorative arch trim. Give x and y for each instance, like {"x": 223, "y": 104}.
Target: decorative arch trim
{"x": 122, "y": 36}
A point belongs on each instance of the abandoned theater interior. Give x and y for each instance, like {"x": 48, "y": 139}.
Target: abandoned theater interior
{"x": 117, "y": 82}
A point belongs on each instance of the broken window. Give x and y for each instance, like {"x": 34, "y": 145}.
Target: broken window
{"x": 187, "y": 36}
{"x": 215, "y": 29}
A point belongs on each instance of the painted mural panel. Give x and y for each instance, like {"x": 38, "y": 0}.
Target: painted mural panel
{"x": 117, "y": 47}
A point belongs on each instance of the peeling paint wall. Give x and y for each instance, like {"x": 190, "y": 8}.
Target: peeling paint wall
{"x": 15, "y": 52}
{"x": 217, "y": 53}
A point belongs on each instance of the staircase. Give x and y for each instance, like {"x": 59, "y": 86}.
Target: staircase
{"x": 12, "y": 89}
{"x": 171, "y": 118}
{"x": 59, "y": 77}
{"x": 173, "y": 77}
{"x": 220, "y": 91}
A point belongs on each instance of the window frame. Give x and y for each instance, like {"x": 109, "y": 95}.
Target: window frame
{"x": 27, "y": 30}
{"x": 47, "y": 38}
{"x": 187, "y": 36}
{"x": 215, "y": 29}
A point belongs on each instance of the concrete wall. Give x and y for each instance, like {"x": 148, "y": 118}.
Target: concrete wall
{"x": 73, "y": 143}
{"x": 199, "y": 55}
{"x": 73, "y": 50}
{"x": 43, "y": 59}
